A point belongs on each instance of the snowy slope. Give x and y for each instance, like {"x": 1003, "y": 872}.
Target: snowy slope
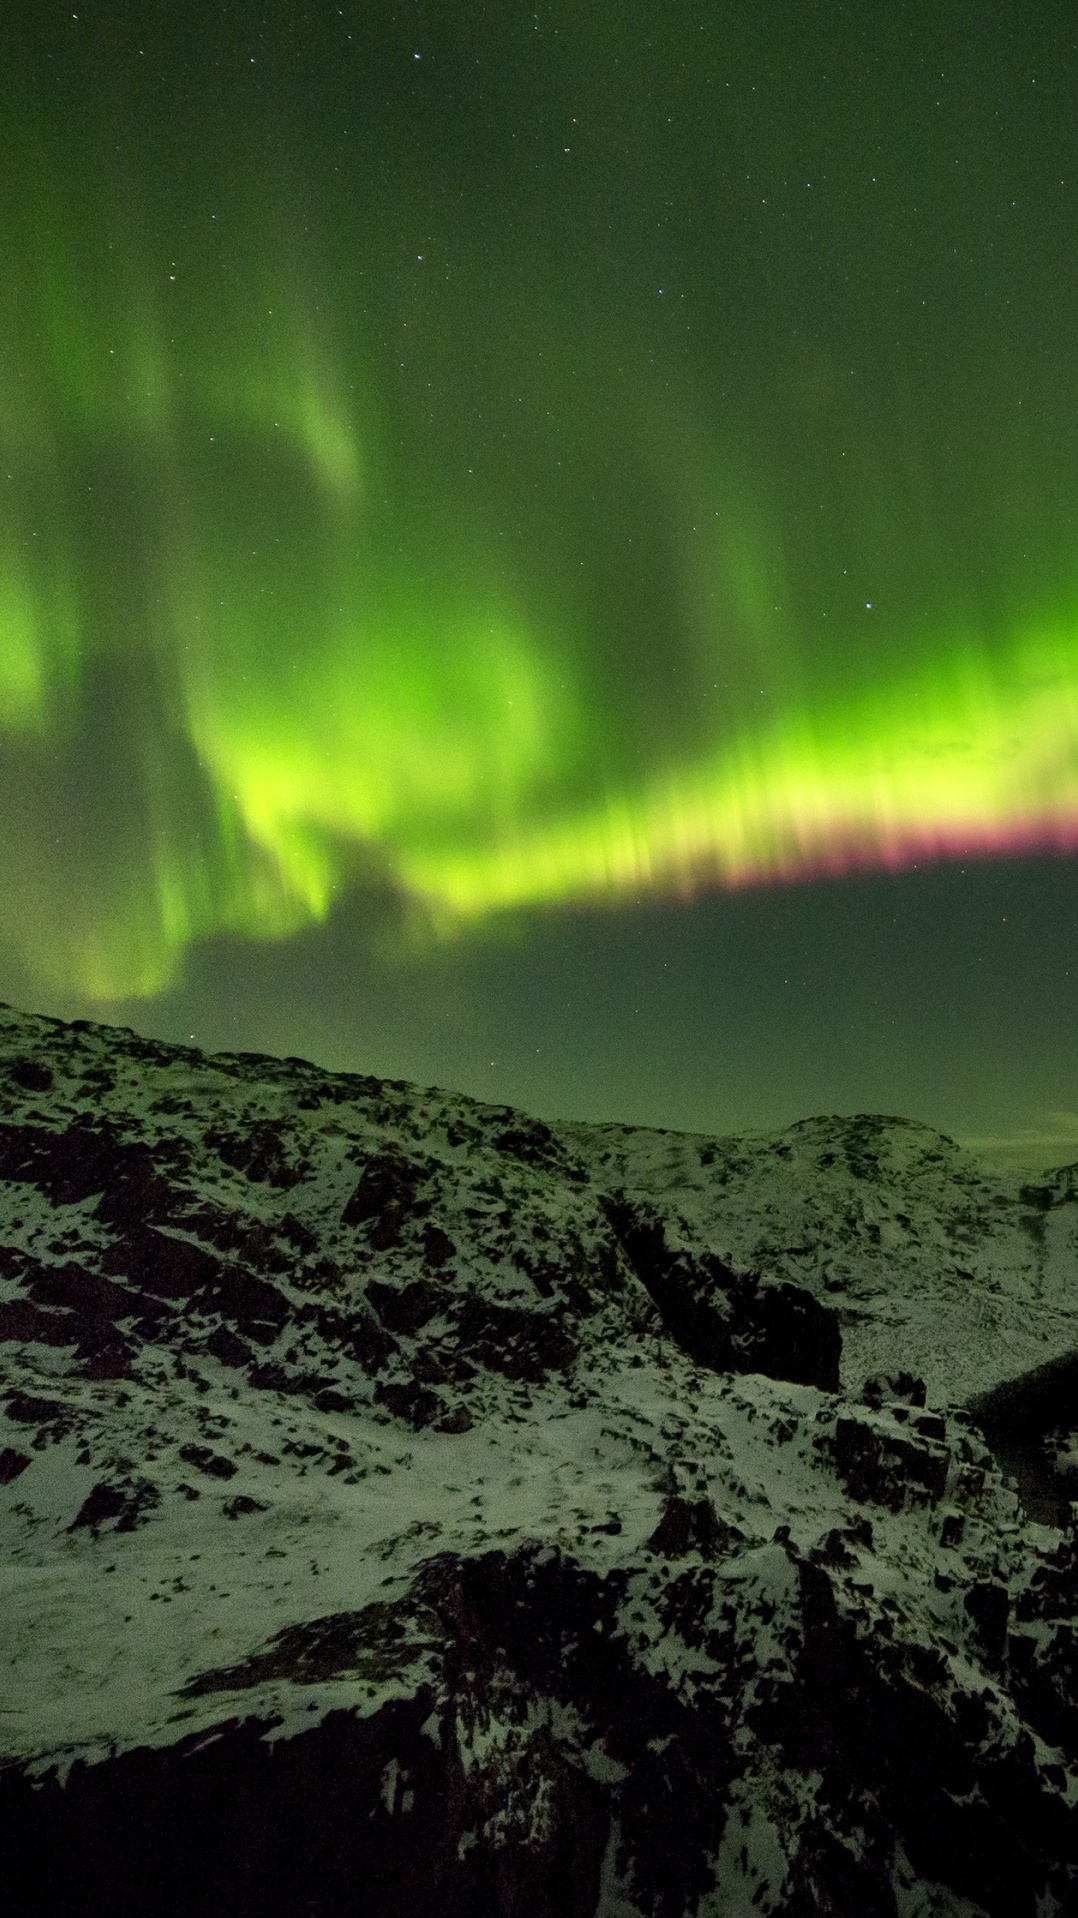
{"x": 936, "y": 1262}
{"x": 409, "y": 1507}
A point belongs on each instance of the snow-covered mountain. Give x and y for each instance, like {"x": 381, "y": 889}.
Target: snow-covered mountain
{"x": 411, "y": 1508}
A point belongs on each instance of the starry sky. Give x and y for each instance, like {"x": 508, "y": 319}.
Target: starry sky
{"x": 539, "y": 548}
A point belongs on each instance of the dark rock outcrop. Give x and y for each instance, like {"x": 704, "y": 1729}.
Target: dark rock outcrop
{"x": 727, "y": 1320}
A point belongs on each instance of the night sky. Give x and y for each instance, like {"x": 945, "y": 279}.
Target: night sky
{"x": 539, "y": 547}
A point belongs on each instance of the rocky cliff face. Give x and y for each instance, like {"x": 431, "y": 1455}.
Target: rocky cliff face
{"x": 409, "y": 1508}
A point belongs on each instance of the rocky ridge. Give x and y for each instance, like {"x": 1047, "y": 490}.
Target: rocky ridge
{"x": 409, "y": 1507}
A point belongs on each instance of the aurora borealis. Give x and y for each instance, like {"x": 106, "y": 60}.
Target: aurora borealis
{"x": 482, "y": 482}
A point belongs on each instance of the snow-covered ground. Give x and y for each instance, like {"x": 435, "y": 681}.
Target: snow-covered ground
{"x": 526, "y": 1455}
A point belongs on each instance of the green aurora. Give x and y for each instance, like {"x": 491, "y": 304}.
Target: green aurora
{"x": 476, "y": 461}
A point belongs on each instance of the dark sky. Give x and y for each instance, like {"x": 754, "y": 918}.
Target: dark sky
{"x": 539, "y": 547}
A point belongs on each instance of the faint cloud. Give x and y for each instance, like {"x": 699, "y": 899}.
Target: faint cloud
{"x": 1037, "y": 1148}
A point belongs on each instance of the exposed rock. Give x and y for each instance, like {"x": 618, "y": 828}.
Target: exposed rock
{"x": 884, "y": 1462}
{"x": 731, "y": 1321}
{"x": 411, "y": 1508}
{"x": 125, "y": 1505}
{"x": 12, "y": 1463}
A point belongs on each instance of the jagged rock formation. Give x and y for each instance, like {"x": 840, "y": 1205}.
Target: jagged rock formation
{"x": 409, "y": 1508}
